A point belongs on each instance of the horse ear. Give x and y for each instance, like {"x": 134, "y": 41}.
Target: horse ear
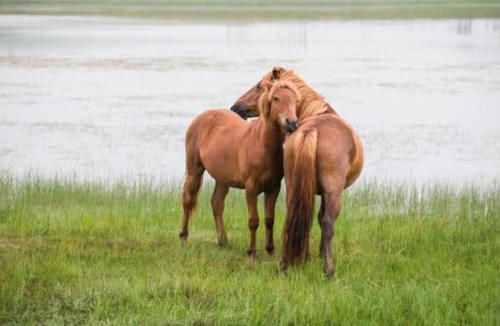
{"x": 276, "y": 73}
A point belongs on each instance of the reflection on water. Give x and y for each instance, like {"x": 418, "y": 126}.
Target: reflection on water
{"x": 107, "y": 97}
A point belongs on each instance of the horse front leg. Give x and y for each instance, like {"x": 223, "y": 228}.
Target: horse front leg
{"x": 270, "y": 203}
{"x": 253, "y": 219}
{"x": 218, "y": 196}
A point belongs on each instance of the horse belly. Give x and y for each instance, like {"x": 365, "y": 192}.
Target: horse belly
{"x": 222, "y": 166}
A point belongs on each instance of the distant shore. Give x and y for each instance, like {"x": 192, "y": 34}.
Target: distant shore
{"x": 248, "y": 11}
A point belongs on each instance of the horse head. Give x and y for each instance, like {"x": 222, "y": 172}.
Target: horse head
{"x": 247, "y": 106}
{"x": 278, "y": 103}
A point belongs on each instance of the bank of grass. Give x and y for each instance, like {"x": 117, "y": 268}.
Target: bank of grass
{"x": 93, "y": 253}
{"x": 259, "y": 10}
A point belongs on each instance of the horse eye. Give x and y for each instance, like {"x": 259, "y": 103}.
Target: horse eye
{"x": 275, "y": 98}
{"x": 258, "y": 86}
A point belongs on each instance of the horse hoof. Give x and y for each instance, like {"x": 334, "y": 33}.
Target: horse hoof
{"x": 222, "y": 243}
{"x": 321, "y": 252}
{"x": 183, "y": 236}
{"x": 283, "y": 267}
{"x": 330, "y": 274}
{"x": 270, "y": 250}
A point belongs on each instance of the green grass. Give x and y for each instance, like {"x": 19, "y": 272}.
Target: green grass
{"x": 259, "y": 10}
{"x": 94, "y": 253}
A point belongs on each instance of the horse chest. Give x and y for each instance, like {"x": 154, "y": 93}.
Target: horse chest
{"x": 269, "y": 178}
{"x": 265, "y": 168}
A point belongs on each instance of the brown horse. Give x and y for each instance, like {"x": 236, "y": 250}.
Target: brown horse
{"x": 324, "y": 156}
{"x": 241, "y": 155}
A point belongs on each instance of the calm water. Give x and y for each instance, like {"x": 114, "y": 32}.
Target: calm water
{"x": 111, "y": 98}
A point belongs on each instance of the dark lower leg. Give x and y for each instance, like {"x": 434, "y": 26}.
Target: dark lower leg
{"x": 270, "y": 199}
{"x": 189, "y": 193}
{"x": 332, "y": 209}
{"x": 307, "y": 254}
{"x": 253, "y": 222}
{"x": 218, "y": 197}
{"x": 321, "y": 212}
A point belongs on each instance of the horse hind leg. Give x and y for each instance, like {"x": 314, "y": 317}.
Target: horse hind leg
{"x": 321, "y": 212}
{"x": 190, "y": 190}
{"x": 332, "y": 205}
{"x": 218, "y": 198}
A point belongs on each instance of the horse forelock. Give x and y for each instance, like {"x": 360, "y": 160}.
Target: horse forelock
{"x": 285, "y": 84}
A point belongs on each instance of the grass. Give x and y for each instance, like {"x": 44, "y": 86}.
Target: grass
{"x": 259, "y": 10}
{"x": 92, "y": 253}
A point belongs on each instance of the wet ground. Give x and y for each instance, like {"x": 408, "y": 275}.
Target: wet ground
{"x": 111, "y": 98}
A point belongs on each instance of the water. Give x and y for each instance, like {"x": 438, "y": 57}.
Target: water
{"x": 111, "y": 98}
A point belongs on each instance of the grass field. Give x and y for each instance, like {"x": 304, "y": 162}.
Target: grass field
{"x": 92, "y": 253}
{"x": 259, "y": 10}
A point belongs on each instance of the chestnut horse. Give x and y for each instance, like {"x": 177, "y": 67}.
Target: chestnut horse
{"x": 241, "y": 155}
{"x": 324, "y": 156}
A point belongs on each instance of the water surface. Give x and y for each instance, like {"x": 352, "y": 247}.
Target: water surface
{"x": 98, "y": 97}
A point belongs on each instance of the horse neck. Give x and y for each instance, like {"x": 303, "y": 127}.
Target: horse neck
{"x": 309, "y": 95}
{"x": 269, "y": 134}
{"x": 313, "y": 105}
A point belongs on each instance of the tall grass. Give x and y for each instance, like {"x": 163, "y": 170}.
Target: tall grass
{"x": 93, "y": 253}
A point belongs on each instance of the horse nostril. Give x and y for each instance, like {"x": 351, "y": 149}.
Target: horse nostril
{"x": 291, "y": 126}
{"x": 236, "y": 108}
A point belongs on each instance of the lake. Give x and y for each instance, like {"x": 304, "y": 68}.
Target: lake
{"x": 111, "y": 98}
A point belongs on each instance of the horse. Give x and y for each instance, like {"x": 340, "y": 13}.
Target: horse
{"x": 239, "y": 154}
{"x": 324, "y": 156}
{"x": 247, "y": 105}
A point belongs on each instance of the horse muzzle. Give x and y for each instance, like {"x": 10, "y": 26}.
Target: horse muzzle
{"x": 240, "y": 109}
{"x": 291, "y": 126}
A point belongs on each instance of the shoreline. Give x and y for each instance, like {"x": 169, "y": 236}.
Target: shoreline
{"x": 249, "y": 13}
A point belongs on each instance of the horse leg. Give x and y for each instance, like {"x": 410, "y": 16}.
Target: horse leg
{"x": 307, "y": 253}
{"x": 321, "y": 212}
{"x": 253, "y": 221}
{"x": 332, "y": 210}
{"x": 190, "y": 190}
{"x": 270, "y": 199}
{"x": 218, "y": 197}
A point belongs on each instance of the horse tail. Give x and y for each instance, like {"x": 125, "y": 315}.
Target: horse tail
{"x": 300, "y": 172}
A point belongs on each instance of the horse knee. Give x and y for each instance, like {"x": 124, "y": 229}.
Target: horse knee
{"x": 188, "y": 201}
{"x": 253, "y": 224}
{"x": 213, "y": 201}
{"x": 191, "y": 187}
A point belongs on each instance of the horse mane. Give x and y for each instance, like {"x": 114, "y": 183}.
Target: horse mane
{"x": 312, "y": 102}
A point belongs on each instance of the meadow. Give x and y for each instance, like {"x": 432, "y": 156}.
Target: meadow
{"x": 74, "y": 252}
